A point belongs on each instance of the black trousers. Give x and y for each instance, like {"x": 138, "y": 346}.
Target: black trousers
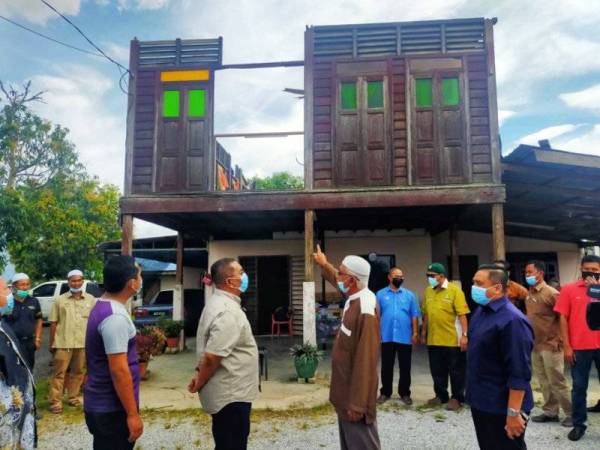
{"x": 444, "y": 362}
{"x": 231, "y": 426}
{"x": 491, "y": 434}
{"x": 27, "y": 347}
{"x": 109, "y": 430}
{"x": 389, "y": 351}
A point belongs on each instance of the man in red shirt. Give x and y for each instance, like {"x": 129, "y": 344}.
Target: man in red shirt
{"x": 581, "y": 345}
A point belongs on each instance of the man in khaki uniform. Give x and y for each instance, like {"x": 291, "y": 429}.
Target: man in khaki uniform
{"x": 68, "y": 323}
{"x": 227, "y": 374}
{"x": 547, "y": 357}
{"x": 354, "y": 377}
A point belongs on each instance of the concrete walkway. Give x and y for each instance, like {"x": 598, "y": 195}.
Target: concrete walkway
{"x": 169, "y": 376}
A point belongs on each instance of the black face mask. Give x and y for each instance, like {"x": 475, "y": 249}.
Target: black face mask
{"x": 397, "y": 282}
{"x": 595, "y": 275}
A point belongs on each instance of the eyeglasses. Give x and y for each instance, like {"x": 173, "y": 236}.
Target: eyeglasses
{"x": 431, "y": 275}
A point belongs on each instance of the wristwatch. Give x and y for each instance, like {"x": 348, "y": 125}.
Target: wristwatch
{"x": 510, "y": 412}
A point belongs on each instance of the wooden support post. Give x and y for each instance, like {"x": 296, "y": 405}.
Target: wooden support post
{"x": 127, "y": 234}
{"x": 178, "y": 291}
{"x": 454, "y": 257}
{"x": 498, "y": 231}
{"x": 309, "y": 324}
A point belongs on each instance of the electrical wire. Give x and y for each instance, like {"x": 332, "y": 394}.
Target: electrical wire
{"x": 50, "y": 38}
{"x": 66, "y": 19}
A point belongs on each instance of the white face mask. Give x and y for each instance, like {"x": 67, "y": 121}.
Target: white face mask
{"x": 76, "y": 290}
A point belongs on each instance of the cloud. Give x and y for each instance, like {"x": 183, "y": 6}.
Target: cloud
{"x": 588, "y": 98}
{"x": 142, "y": 4}
{"x": 548, "y": 133}
{"x": 118, "y": 52}
{"x": 586, "y": 142}
{"x": 504, "y": 115}
{"x": 36, "y": 12}
{"x": 76, "y": 98}
{"x": 143, "y": 229}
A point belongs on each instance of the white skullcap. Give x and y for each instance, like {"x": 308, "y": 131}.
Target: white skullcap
{"x": 19, "y": 277}
{"x": 74, "y": 273}
{"x": 359, "y": 267}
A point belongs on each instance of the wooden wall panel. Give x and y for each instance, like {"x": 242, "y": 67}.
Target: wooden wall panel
{"x": 322, "y": 124}
{"x": 399, "y": 134}
{"x": 144, "y": 132}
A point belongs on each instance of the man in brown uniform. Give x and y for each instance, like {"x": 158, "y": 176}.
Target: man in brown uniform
{"x": 547, "y": 357}
{"x": 354, "y": 379}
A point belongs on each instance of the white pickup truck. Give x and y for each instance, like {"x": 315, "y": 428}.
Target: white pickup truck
{"x": 49, "y": 291}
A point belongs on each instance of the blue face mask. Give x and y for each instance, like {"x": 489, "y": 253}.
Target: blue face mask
{"x": 245, "y": 282}
{"x": 10, "y": 304}
{"x": 432, "y": 281}
{"x": 76, "y": 290}
{"x": 531, "y": 281}
{"x": 342, "y": 287}
{"x": 478, "y": 295}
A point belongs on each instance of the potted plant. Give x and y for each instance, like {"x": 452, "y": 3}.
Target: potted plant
{"x": 306, "y": 359}
{"x": 172, "y": 329}
{"x": 150, "y": 341}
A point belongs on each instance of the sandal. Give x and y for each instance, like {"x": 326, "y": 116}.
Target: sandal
{"x": 75, "y": 402}
{"x": 56, "y": 409}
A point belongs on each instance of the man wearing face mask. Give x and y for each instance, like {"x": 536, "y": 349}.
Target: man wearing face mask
{"x": 581, "y": 345}
{"x": 227, "y": 372}
{"x": 445, "y": 333}
{"x": 111, "y": 392}
{"x": 25, "y": 318}
{"x": 547, "y": 358}
{"x": 399, "y": 332}
{"x": 498, "y": 364}
{"x": 355, "y": 353}
{"x": 68, "y": 322}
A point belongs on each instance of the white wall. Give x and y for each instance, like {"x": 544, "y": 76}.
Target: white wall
{"x": 191, "y": 279}
{"x": 413, "y": 252}
{"x": 480, "y": 244}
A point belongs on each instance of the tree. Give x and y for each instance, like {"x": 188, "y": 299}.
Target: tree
{"x": 57, "y": 227}
{"x": 279, "y": 181}
{"x": 32, "y": 150}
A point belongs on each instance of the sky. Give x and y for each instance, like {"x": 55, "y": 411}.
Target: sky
{"x": 548, "y": 69}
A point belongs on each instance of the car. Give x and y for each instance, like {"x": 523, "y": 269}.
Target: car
{"x": 49, "y": 291}
{"x": 161, "y": 305}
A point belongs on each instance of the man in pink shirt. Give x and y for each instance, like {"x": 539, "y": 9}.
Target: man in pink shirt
{"x": 581, "y": 345}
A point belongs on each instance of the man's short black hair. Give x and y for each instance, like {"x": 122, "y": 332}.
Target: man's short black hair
{"x": 219, "y": 270}
{"x": 590, "y": 259}
{"x": 496, "y": 274}
{"x": 118, "y": 270}
{"x": 539, "y": 265}
{"x": 502, "y": 263}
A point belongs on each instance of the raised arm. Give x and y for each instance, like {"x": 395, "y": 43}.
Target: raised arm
{"x": 328, "y": 271}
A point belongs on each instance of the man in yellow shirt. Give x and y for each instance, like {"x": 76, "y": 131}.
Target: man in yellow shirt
{"x": 445, "y": 333}
{"x": 68, "y": 322}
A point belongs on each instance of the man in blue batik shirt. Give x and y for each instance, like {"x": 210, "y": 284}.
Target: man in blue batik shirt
{"x": 498, "y": 364}
{"x": 399, "y": 331}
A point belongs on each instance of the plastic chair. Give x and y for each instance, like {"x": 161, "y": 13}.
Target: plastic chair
{"x": 281, "y": 316}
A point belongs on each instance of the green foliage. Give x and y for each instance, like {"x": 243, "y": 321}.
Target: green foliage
{"x": 306, "y": 351}
{"x": 279, "y": 181}
{"x": 171, "y": 328}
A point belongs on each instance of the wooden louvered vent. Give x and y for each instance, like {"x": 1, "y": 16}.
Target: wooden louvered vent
{"x": 196, "y": 52}
{"x": 399, "y": 38}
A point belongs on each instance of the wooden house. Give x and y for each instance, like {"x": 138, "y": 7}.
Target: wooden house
{"x": 401, "y": 155}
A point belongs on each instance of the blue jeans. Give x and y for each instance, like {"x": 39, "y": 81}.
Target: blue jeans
{"x": 580, "y": 371}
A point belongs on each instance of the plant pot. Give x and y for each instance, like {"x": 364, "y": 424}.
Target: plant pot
{"x": 143, "y": 365}
{"x": 173, "y": 342}
{"x": 305, "y": 368}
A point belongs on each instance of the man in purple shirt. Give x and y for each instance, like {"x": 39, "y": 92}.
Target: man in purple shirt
{"x": 111, "y": 393}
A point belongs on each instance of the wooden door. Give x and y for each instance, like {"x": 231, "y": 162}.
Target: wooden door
{"x": 362, "y": 141}
{"x": 183, "y": 138}
{"x": 438, "y": 147}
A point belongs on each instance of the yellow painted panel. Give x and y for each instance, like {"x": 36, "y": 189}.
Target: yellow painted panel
{"x": 185, "y": 75}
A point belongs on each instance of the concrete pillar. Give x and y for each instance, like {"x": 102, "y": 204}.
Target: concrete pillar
{"x": 178, "y": 289}
{"x": 309, "y": 323}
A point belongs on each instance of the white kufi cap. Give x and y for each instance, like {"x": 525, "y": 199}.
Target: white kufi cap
{"x": 74, "y": 273}
{"x": 19, "y": 277}
{"x": 359, "y": 267}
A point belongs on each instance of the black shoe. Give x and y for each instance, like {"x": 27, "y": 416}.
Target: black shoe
{"x": 406, "y": 400}
{"x": 543, "y": 418}
{"x": 595, "y": 408}
{"x": 576, "y": 433}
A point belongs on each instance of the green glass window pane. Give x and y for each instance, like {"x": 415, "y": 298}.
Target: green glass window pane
{"x": 450, "y": 92}
{"x": 424, "y": 92}
{"x": 171, "y": 104}
{"x": 348, "y": 93}
{"x": 375, "y": 94}
{"x": 196, "y": 103}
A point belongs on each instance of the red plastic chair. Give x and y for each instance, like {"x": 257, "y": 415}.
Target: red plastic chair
{"x": 281, "y": 316}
